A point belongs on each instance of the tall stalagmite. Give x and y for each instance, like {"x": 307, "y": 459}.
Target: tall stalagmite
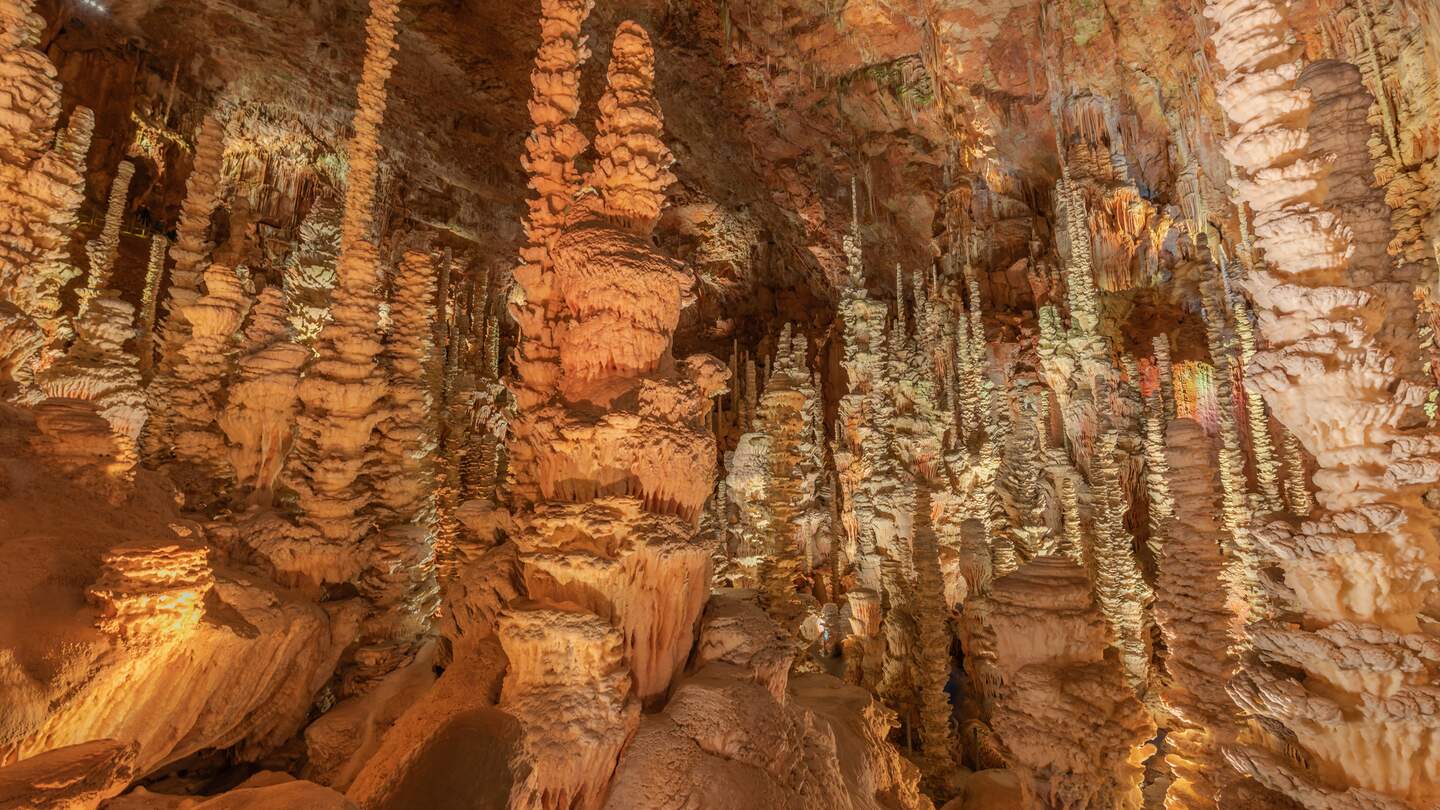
{"x": 1197, "y": 626}
{"x": 42, "y": 183}
{"x": 1071, "y": 725}
{"x": 399, "y": 578}
{"x": 612, "y": 460}
{"x": 189, "y": 256}
{"x": 1358, "y": 571}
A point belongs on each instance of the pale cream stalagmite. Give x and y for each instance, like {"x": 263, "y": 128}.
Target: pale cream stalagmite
{"x": 341, "y": 395}
{"x": 859, "y": 449}
{"x": 1120, "y": 588}
{"x": 1243, "y": 575}
{"x": 1199, "y": 629}
{"x": 1357, "y": 573}
{"x": 105, "y": 247}
{"x": 399, "y": 578}
{"x": 611, "y": 456}
{"x": 1262, "y": 446}
{"x": 1062, "y": 710}
{"x": 259, "y": 414}
{"x": 189, "y": 256}
{"x": 42, "y": 184}
{"x": 98, "y": 369}
{"x": 781, "y": 416}
{"x": 879, "y": 499}
{"x": 1164, "y": 368}
{"x": 149, "y": 304}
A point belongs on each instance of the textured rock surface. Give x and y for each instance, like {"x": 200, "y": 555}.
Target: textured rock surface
{"x": 1082, "y": 394}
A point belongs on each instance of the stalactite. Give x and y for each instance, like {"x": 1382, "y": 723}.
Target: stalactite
{"x": 1357, "y": 571}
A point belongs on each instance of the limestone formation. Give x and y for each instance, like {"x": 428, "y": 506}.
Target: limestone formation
{"x": 1198, "y": 627}
{"x": 202, "y": 363}
{"x": 1332, "y": 383}
{"x": 189, "y": 258}
{"x": 340, "y": 397}
{"x": 362, "y": 446}
{"x": 102, "y": 250}
{"x": 1060, "y": 698}
{"x": 258, "y": 419}
{"x": 612, "y": 468}
{"x": 310, "y": 271}
{"x": 42, "y": 177}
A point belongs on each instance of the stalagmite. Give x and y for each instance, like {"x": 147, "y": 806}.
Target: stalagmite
{"x": 201, "y": 365}
{"x": 1197, "y": 626}
{"x": 1358, "y": 571}
{"x": 310, "y": 271}
{"x": 360, "y": 416}
{"x": 42, "y": 181}
{"x": 97, "y": 369}
{"x": 399, "y": 578}
{"x": 189, "y": 257}
{"x": 1063, "y": 711}
{"x": 611, "y": 561}
{"x": 102, "y": 250}
{"x": 551, "y": 150}
{"x": 1120, "y": 589}
{"x": 149, "y": 300}
{"x": 1243, "y": 575}
{"x": 1262, "y": 449}
{"x": 340, "y": 397}
{"x": 781, "y": 415}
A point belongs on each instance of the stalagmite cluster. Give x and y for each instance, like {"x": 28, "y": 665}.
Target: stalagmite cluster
{"x": 363, "y": 443}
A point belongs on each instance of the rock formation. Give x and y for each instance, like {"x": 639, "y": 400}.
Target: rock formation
{"x": 357, "y": 445}
{"x": 610, "y": 559}
{"x": 1060, "y": 696}
{"x": 189, "y": 256}
{"x": 1357, "y": 570}
{"x": 43, "y": 182}
{"x": 258, "y": 419}
{"x": 340, "y": 397}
